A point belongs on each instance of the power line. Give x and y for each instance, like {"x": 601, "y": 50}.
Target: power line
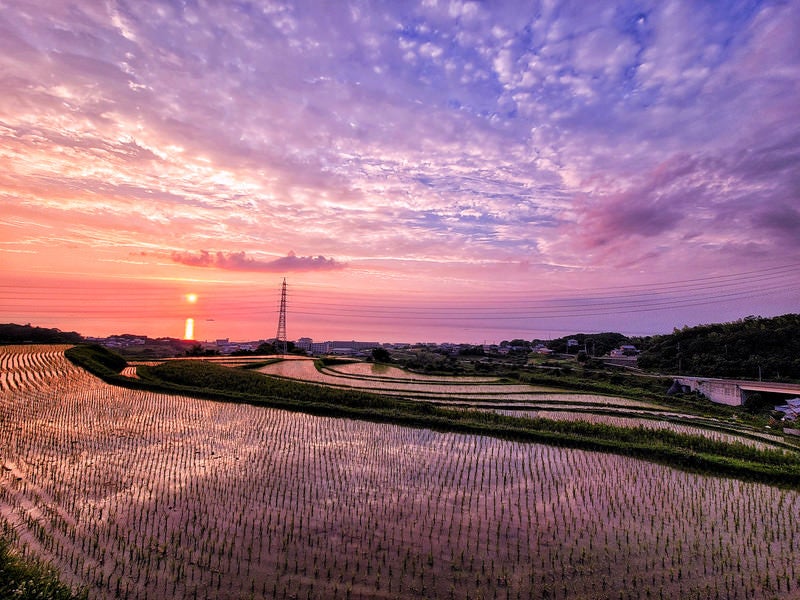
{"x": 767, "y": 282}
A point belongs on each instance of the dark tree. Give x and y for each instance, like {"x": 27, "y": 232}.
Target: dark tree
{"x": 11, "y": 333}
{"x": 472, "y": 351}
{"x": 750, "y": 348}
{"x": 381, "y": 355}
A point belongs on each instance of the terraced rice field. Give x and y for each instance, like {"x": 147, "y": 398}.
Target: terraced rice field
{"x": 388, "y": 372}
{"x": 519, "y": 400}
{"x": 443, "y": 389}
{"x": 685, "y": 425}
{"x": 143, "y": 495}
{"x": 40, "y": 367}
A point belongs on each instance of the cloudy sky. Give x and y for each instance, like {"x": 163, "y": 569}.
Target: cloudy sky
{"x": 417, "y": 171}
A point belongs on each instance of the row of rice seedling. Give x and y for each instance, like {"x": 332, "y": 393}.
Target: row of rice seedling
{"x": 25, "y": 366}
{"x": 390, "y": 373}
{"x": 446, "y": 389}
{"x": 516, "y": 399}
{"x": 677, "y": 424}
{"x": 307, "y": 371}
{"x": 530, "y": 399}
{"x": 143, "y": 495}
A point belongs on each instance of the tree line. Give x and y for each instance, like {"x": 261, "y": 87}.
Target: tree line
{"x": 11, "y": 333}
{"x": 750, "y": 348}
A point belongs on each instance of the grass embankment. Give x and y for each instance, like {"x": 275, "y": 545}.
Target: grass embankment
{"x": 688, "y": 452}
{"x": 628, "y": 385}
{"x": 22, "y": 579}
{"x": 593, "y": 377}
{"x": 97, "y": 360}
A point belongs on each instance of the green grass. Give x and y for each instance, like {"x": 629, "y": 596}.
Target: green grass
{"x": 22, "y": 579}
{"x": 97, "y": 359}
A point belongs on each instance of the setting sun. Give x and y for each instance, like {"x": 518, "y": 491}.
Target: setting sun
{"x": 191, "y": 298}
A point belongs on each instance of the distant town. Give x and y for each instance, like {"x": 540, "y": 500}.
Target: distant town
{"x": 140, "y": 344}
{"x": 225, "y": 346}
{"x": 611, "y": 345}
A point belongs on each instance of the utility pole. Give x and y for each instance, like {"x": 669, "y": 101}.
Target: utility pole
{"x": 280, "y": 337}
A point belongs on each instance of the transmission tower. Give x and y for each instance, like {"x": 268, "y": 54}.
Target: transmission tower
{"x": 280, "y": 337}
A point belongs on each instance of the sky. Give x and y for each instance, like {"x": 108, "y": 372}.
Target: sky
{"x": 416, "y": 171}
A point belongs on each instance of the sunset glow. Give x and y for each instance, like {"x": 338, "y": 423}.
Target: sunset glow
{"x": 188, "y": 333}
{"x": 418, "y": 171}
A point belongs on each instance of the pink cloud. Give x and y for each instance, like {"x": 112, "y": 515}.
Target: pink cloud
{"x": 238, "y": 261}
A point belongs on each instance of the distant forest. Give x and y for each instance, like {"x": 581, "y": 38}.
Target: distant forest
{"x": 11, "y": 333}
{"x": 749, "y": 348}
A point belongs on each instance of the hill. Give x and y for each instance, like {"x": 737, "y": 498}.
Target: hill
{"x": 750, "y": 348}
{"x": 11, "y": 333}
{"x": 595, "y": 344}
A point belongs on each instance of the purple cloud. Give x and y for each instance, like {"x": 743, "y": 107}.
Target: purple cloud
{"x": 783, "y": 222}
{"x": 238, "y": 261}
